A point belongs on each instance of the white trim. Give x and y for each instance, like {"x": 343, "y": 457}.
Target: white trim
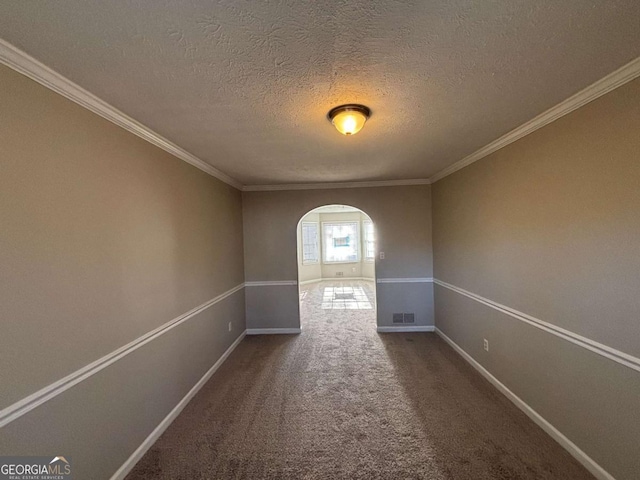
{"x": 591, "y": 345}
{"x": 25, "y": 64}
{"x": 314, "y": 280}
{"x": 405, "y": 329}
{"x": 603, "y": 86}
{"x": 273, "y": 331}
{"x": 568, "y": 445}
{"x": 406, "y": 280}
{"x": 271, "y": 283}
{"x": 164, "y": 424}
{"x": 323, "y": 186}
{"x": 21, "y": 407}
{"x": 35, "y": 70}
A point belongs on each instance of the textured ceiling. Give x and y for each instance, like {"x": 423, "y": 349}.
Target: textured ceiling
{"x": 246, "y": 85}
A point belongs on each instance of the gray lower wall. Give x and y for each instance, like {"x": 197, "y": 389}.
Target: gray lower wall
{"x": 549, "y": 226}
{"x": 100, "y": 422}
{"x": 277, "y": 306}
{"x": 104, "y": 238}
{"x": 272, "y": 306}
{"x": 403, "y": 232}
{"x": 592, "y": 400}
{"x": 405, "y": 298}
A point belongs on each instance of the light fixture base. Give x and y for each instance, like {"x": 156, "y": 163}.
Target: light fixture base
{"x": 349, "y": 107}
{"x": 350, "y": 118}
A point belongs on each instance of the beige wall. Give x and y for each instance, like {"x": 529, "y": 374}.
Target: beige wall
{"x": 103, "y": 238}
{"x": 550, "y": 226}
{"x": 403, "y": 231}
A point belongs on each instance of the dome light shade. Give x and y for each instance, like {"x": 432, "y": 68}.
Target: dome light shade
{"x": 349, "y": 119}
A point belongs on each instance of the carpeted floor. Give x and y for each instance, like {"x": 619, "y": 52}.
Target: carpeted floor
{"x": 342, "y": 401}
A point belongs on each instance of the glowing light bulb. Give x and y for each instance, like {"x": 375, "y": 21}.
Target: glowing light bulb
{"x": 349, "y": 124}
{"x": 349, "y": 119}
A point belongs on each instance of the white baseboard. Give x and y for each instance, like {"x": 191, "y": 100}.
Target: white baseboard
{"x": 405, "y": 329}
{"x": 272, "y": 331}
{"x": 307, "y": 282}
{"x": 567, "y": 444}
{"x": 164, "y": 424}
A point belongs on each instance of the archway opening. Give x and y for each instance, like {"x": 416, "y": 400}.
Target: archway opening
{"x": 336, "y": 253}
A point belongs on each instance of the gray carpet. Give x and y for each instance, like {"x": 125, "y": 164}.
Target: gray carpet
{"x": 342, "y": 401}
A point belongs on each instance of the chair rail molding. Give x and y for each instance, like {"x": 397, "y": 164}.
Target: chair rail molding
{"x": 271, "y": 283}
{"x": 584, "y": 342}
{"x": 24, "y": 406}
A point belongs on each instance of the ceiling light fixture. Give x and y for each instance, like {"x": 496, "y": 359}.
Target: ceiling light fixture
{"x": 349, "y": 119}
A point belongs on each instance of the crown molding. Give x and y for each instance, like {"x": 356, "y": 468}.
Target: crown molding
{"x": 325, "y": 186}
{"x": 25, "y": 64}
{"x": 30, "y": 67}
{"x": 603, "y": 86}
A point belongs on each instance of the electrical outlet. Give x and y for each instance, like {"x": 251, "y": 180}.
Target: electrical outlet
{"x": 381, "y": 255}
{"x": 353, "y": 269}
{"x": 486, "y": 345}
{"x": 229, "y": 326}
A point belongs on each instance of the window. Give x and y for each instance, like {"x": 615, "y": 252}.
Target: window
{"x": 340, "y": 241}
{"x": 310, "y": 247}
{"x": 369, "y": 241}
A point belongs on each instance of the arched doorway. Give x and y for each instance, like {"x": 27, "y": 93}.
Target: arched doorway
{"x": 336, "y": 269}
